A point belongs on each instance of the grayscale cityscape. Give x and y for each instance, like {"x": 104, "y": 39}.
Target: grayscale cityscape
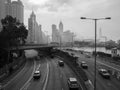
{"x": 59, "y": 45}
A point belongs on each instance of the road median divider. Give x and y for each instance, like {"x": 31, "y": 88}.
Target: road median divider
{"x": 71, "y": 61}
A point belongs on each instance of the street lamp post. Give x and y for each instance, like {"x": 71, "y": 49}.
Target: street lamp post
{"x": 95, "y": 19}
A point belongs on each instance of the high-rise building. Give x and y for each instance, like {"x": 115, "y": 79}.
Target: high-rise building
{"x": 17, "y": 10}
{"x": 31, "y": 28}
{"x": 61, "y": 27}
{"x": 40, "y": 38}
{"x": 8, "y": 7}
{"x": 34, "y": 30}
{"x": 55, "y": 34}
{"x": 2, "y": 11}
{"x": 60, "y": 36}
{"x": 67, "y": 36}
{"x": 14, "y": 9}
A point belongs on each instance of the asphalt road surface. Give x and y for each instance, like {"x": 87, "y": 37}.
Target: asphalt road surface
{"x": 101, "y": 83}
{"x": 53, "y": 77}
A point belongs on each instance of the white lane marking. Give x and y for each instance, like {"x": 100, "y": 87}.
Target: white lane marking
{"x": 29, "y": 78}
{"x": 26, "y": 87}
{"x": 13, "y": 78}
{"x": 44, "y": 87}
{"x": 91, "y": 83}
{"x": 44, "y": 77}
{"x": 108, "y": 66}
{"x": 73, "y": 71}
{"x": 38, "y": 67}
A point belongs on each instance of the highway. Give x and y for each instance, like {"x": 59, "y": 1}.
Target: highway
{"x": 53, "y": 77}
{"x": 20, "y": 79}
{"x": 101, "y": 83}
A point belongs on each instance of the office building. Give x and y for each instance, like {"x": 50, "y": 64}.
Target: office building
{"x": 61, "y": 27}
{"x": 31, "y": 28}
{"x": 8, "y": 7}
{"x": 2, "y": 11}
{"x": 35, "y": 34}
{"x": 18, "y": 10}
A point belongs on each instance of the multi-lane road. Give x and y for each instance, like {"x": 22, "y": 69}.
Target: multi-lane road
{"x": 101, "y": 83}
{"x": 53, "y": 77}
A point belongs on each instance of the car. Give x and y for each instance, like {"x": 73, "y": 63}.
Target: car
{"x": 73, "y": 83}
{"x": 87, "y": 55}
{"x": 84, "y": 65}
{"x": 37, "y": 74}
{"x": 104, "y": 73}
{"x": 61, "y": 63}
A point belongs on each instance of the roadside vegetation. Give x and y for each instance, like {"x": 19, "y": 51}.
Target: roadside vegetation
{"x": 12, "y": 35}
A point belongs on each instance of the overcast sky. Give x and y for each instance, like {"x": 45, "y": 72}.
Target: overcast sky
{"x": 50, "y": 12}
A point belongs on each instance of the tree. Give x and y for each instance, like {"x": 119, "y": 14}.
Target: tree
{"x": 118, "y": 43}
{"x": 13, "y": 32}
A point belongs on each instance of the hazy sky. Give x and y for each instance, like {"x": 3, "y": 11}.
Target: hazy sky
{"x": 50, "y": 12}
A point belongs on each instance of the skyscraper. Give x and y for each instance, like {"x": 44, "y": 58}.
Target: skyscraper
{"x": 2, "y": 11}
{"x": 8, "y": 8}
{"x": 14, "y": 9}
{"x": 40, "y": 38}
{"x": 18, "y": 10}
{"x": 60, "y": 27}
{"x": 31, "y": 28}
{"x": 55, "y": 34}
{"x": 34, "y": 30}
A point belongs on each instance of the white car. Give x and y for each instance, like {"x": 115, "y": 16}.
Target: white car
{"x": 73, "y": 83}
{"x": 84, "y": 65}
{"x": 104, "y": 73}
{"x": 36, "y": 75}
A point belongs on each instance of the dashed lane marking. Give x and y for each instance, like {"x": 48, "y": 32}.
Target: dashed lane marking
{"x": 12, "y": 79}
{"x": 45, "y": 85}
{"x": 27, "y": 83}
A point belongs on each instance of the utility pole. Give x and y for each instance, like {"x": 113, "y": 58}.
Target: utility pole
{"x": 95, "y": 19}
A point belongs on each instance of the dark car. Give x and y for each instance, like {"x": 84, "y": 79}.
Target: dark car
{"x": 73, "y": 83}
{"x": 61, "y": 63}
{"x": 104, "y": 73}
{"x": 87, "y": 55}
{"x": 36, "y": 75}
{"x": 84, "y": 65}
